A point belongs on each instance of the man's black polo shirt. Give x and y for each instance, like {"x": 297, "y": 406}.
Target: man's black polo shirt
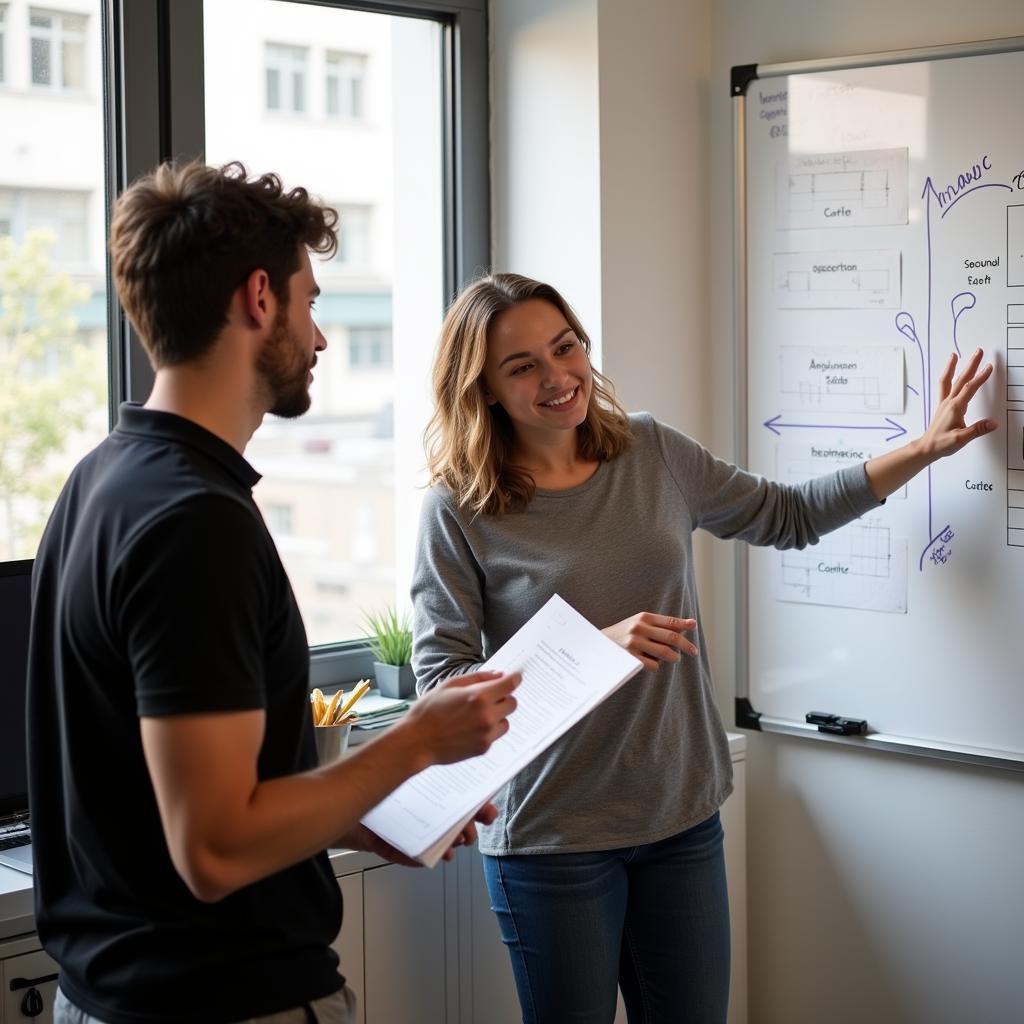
{"x": 157, "y": 590}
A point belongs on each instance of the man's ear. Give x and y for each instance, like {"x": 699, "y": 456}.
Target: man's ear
{"x": 258, "y": 301}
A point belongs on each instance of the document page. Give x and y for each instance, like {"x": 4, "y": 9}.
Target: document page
{"x": 568, "y": 667}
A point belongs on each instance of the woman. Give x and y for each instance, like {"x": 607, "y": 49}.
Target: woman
{"x": 605, "y": 865}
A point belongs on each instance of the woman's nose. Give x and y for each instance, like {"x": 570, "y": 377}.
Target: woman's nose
{"x": 553, "y": 376}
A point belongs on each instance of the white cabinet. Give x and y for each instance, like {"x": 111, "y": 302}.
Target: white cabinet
{"x": 29, "y": 983}
{"x": 734, "y": 821}
{"x": 349, "y": 944}
{"x": 405, "y": 967}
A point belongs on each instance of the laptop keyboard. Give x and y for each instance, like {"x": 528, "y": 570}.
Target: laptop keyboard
{"x": 10, "y": 842}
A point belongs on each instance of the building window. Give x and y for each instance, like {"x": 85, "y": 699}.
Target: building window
{"x": 278, "y": 518}
{"x": 63, "y": 214}
{"x": 369, "y": 348}
{"x": 57, "y": 49}
{"x": 286, "y": 77}
{"x": 353, "y": 235}
{"x": 346, "y": 85}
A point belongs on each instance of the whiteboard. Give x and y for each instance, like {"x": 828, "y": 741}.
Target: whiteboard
{"x": 880, "y": 225}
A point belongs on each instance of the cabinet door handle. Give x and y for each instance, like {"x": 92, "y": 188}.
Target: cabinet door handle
{"x": 19, "y": 983}
{"x": 32, "y": 1004}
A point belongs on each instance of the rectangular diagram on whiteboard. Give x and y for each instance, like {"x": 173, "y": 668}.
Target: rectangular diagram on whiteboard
{"x": 1015, "y": 246}
{"x": 843, "y": 190}
{"x": 798, "y": 461}
{"x": 841, "y": 380}
{"x": 837, "y": 280}
{"x": 1015, "y": 478}
{"x": 860, "y": 566}
{"x": 1014, "y": 361}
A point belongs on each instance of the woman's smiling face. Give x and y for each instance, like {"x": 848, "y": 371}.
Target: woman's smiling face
{"x": 537, "y": 369}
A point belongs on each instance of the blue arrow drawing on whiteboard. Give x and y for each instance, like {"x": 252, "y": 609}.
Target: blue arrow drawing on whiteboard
{"x": 889, "y": 427}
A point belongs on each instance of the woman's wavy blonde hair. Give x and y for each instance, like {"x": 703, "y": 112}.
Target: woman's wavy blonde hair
{"x": 469, "y": 443}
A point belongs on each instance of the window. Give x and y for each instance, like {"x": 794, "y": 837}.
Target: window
{"x": 369, "y": 348}
{"x": 57, "y": 49}
{"x": 286, "y": 77}
{"x": 347, "y": 470}
{"x": 53, "y": 295}
{"x": 351, "y": 467}
{"x": 354, "y": 235}
{"x": 62, "y": 215}
{"x": 278, "y": 517}
{"x": 346, "y": 85}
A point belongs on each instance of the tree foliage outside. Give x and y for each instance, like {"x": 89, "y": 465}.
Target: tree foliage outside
{"x": 52, "y": 384}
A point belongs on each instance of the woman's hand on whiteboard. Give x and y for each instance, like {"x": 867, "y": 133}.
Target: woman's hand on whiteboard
{"x": 653, "y": 638}
{"x": 948, "y": 431}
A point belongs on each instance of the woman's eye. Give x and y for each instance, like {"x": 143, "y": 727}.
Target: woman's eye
{"x": 567, "y": 346}
{"x": 520, "y": 369}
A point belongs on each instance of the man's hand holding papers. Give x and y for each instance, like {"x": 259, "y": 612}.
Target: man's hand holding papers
{"x": 568, "y": 667}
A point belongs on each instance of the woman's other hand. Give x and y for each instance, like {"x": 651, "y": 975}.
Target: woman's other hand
{"x": 653, "y": 638}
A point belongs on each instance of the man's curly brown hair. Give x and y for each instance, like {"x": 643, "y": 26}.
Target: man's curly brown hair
{"x": 186, "y": 236}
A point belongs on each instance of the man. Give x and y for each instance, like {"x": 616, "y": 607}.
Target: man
{"x": 179, "y": 819}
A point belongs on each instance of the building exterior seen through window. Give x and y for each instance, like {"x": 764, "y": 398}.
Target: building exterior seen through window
{"x": 355, "y": 105}
{"x": 345, "y": 103}
{"x": 53, "y": 330}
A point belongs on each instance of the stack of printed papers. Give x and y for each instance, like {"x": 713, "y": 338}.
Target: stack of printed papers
{"x": 374, "y": 711}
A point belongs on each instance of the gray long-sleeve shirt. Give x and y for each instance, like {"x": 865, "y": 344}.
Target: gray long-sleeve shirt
{"x": 653, "y": 759}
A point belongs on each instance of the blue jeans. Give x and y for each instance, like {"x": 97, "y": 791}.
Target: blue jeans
{"x": 652, "y": 919}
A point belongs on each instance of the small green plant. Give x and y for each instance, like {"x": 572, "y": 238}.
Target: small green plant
{"x": 390, "y": 637}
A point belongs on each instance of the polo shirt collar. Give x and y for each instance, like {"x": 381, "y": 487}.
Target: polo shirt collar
{"x": 135, "y": 419}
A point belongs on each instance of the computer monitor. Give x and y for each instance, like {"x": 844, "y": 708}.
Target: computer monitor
{"x": 15, "y": 605}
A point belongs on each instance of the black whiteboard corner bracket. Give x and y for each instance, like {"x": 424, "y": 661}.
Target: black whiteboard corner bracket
{"x": 742, "y": 76}
{"x": 746, "y": 716}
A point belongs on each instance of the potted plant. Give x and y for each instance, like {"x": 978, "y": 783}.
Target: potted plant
{"x": 391, "y": 645}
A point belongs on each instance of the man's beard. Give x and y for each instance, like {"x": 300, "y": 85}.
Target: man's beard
{"x": 284, "y": 370}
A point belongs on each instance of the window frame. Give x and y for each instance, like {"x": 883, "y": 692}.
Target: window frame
{"x": 155, "y": 111}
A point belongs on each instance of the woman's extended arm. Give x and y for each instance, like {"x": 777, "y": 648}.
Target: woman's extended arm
{"x": 947, "y": 433}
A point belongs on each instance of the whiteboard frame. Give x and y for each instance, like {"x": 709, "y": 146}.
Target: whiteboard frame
{"x": 746, "y": 716}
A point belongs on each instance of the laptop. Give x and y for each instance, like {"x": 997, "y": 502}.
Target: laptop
{"x": 15, "y": 605}
{"x": 18, "y": 857}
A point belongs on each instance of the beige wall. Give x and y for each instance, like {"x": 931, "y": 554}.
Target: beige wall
{"x": 881, "y": 888}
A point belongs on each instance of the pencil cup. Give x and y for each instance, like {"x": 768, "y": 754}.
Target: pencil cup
{"x": 331, "y": 741}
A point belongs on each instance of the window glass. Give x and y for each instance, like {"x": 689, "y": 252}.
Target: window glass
{"x": 53, "y": 328}
{"x": 342, "y": 485}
